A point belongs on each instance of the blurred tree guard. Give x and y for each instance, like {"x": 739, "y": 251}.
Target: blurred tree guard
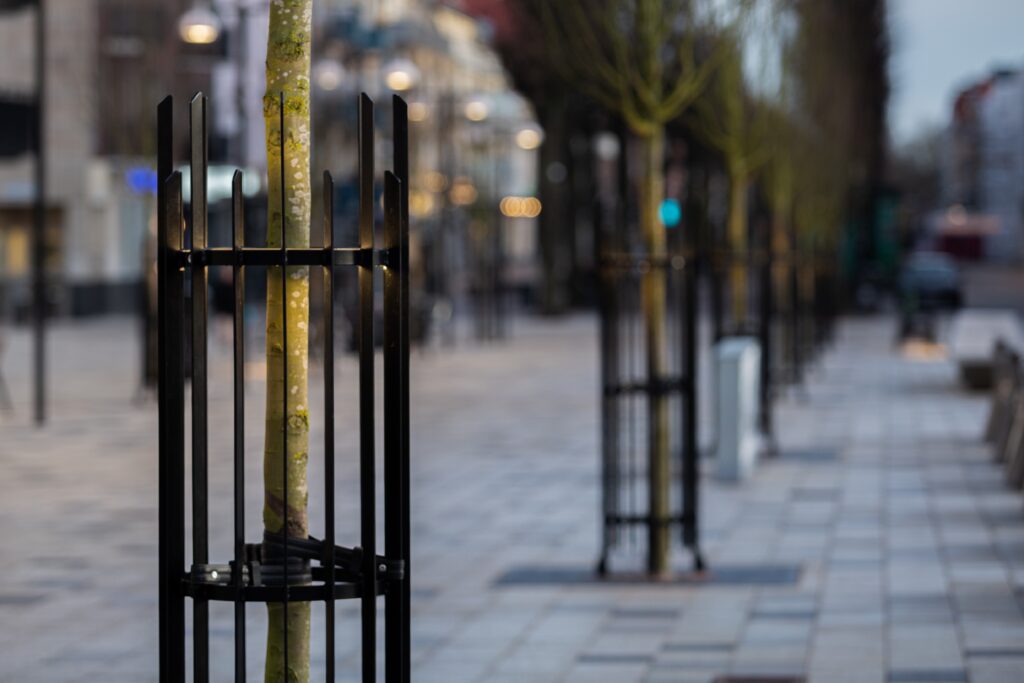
{"x": 838, "y": 60}
{"x": 289, "y": 190}
{"x": 778, "y": 185}
{"x": 731, "y": 120}
{"x": 639, "y": 59}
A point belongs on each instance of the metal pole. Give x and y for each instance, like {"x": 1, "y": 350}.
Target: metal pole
{"x": 691, "y": 447}
{"x": 765, "y": 270}
{"x": 39, "y": 228}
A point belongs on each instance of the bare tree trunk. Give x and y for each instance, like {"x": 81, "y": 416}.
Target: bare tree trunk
{"x": 737, "y": 230}
{"x": 652, "y": 192}
{"x": 288, "y": 67}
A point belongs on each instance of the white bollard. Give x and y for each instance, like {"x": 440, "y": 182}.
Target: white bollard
{"x": 739, "y": 378}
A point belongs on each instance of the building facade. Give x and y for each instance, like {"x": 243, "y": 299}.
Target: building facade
{"x": 108, "y": 64}
{"x": 985, "y": 160}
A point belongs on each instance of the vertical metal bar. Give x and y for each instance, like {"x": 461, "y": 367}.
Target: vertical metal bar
{"x": 284, "y": 371}
{"x": 767, "y": 306}
{"x": 328, "y": 303}
{"x": 718, "y": 271}
{"x": 165, "y": 145}
{"x": 691, "y": 453}
{"x": 367, "y": 479}
{"x": 793, "y": 261}
{"x": 39, "y": 218}
{"x": 200, "y": 541}
{"x": 238, "y": 284}
{"x": 171, "y": 483}
{"x": 613, "y": 407}
{"x": 401, "y": 150}
{"x": 393, "y": 417}
{"x": 625, "y": 290}
{"x": 608, "y": 400}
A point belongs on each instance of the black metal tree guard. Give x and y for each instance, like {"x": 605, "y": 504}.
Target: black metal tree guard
{"x": 282, "y": 569}
{"x": 773, "y": 313}
{"x": 628, "y": 387}
{"x": 790, "y": 296}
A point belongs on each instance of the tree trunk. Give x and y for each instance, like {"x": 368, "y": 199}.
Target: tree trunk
{"x": 738, "y": 231}
{"x": 288, "y": 217}
{"x": 652, "y": 192}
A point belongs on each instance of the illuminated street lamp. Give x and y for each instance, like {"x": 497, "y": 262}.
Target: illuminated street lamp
{"x": 477, "y": 111}
{"x": 418, "y": 111}
{"x": 328, "y": 74}
{"x": 401, "y": 75}
{"x": 199, "y": 25}
{"x": 463, "y": 192}
{"x": 529, "y": 138}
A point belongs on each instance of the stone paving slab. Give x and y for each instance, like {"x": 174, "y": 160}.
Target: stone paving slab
{"x": 909, "y": 549}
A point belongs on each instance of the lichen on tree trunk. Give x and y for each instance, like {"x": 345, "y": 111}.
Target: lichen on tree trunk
{"x": 289, "y": 206}
{"x": 652, "y": 191}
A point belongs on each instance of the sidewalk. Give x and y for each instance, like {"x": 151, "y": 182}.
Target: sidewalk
{"x": 881, "y": 547}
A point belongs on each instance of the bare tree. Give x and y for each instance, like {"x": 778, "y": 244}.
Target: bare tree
{"x": 287, "y": 419}
{"x": 731, "y": 119}
{"x": 838, "y": 59}
{"x": 639, "y": 59}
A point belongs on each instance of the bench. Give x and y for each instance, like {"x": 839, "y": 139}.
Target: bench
{"x": 1005, "y": 427}
{"x": 972, "y": 342}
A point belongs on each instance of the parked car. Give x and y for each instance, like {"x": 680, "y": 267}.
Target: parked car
{"x": 930, "y": 281}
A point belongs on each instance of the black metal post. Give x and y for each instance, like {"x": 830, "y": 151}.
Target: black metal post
{"x": 396, "y": 380}
{"x": 793, "y": 265}
{"x": 238, "y": 284}
{"x": 284, "y": 370}
{"x": 765, "y": 265}
{"x": 718, "y": 271}
{"x": 200, "y": 289}
{"x": 171, "y": 397}
{"x": 691, "y": 396}
{"x": 393, "y": 605}
{"x": 609, "y": 433}
{"x": 39, "y": 228}
{"x": 328, "y": 303}
{"x": 367, "y": 461}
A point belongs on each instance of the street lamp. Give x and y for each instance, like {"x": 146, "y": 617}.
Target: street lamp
{"x": 529, "y": 138}
{"x": 401, "y": 75}
{"x": 200, "y": 25}
{"x": 418, "y": 111}
{"x": 329, "y": 74}
{"x": 477, "y": 111}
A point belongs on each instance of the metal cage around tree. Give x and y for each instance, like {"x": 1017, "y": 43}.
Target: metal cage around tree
{"x": 631, "y": 384}
{"x": 281, "y": 568}
{"x": 778, "y": 293}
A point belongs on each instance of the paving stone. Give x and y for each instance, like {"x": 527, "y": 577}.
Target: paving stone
{"x": 927, "y": 675}
{"x": 881, "y": 546}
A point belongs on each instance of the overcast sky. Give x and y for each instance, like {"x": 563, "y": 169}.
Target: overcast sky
{"x": 939, "y": 45}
